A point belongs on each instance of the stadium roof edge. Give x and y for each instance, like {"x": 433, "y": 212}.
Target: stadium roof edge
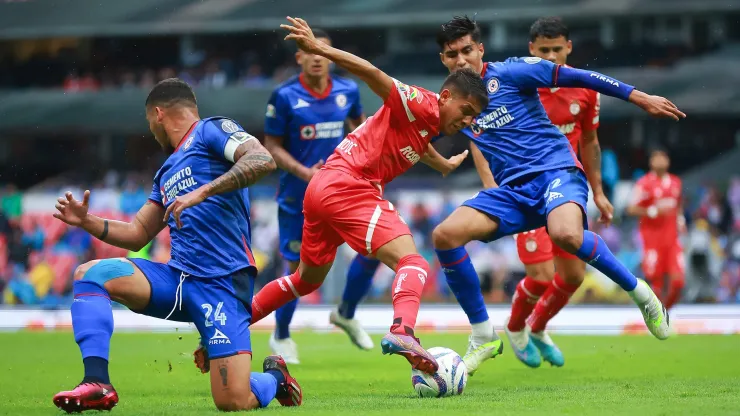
{"x": 589, "y": 9}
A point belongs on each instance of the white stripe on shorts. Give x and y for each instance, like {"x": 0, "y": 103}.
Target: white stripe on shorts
{"x": 371, "y": 229}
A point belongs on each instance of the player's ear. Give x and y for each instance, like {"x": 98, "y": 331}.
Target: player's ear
{"x": 481, "y": 49}
{"x": 160, "y": 114}
{"x": 299, "y": 57}
{"x": 570, "y": 46}
{"x": 531, "y": 48}
{"x": 445, "y": 95}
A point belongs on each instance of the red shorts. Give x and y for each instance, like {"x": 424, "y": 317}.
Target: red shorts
{"x": 339, "y": 208}
{"x": 660, "y": 259}
{"x": 536, "y": 247}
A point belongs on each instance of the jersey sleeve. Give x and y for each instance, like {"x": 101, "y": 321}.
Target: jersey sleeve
{"x": 591, "y": 118}
{"x": 355, "y": 111}
{"x": 223, "y": 136}
{"x": 531, "y": 73}
{"x": 641, "y": 194}
{"x": 156, "y": 195}
{"x": 411, "y": 103}
{"x": 277, "y": 115}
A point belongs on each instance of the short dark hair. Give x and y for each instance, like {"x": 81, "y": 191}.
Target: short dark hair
{"x": 658, "y": 149}
{"x": 171, "y": 91}
{"x": 548, "y": 27}
{"x": 320, "y": 33}
{"x": 467, "y": 83}
{"x": 456, "y": 28}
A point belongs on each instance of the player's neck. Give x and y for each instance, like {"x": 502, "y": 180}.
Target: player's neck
{"x": 180, "y": 124}
{"x": 661, "y": 175}
{"x": 317, "y": 84}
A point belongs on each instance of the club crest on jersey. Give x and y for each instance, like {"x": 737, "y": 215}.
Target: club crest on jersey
{"x": 492, "y": 85}
{"x": 270, "y": 111}
{"x": 341, "y": 100}
{"x": 532, "y": 60}
{"x": 229, "y": 126}
{"x": 187, "y": 144}
{"x": 575, "y": 108}
{"x": 295, "y": 246}
{"x": 308, "y": 132}
{"x": 530, "y": 245}
{"x": 414, "y": 95}
{"x": 476, "y": 129}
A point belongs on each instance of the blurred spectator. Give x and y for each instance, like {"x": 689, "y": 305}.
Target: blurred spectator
{"x": 214, "y": 76}
{"x": 11, "y": 202}
{"x": 254, "y": 77}
{"x": 609, "y": 172}
{"x": 132, "y": 198}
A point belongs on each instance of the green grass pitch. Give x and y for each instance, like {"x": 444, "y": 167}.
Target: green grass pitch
{"x": 629, "y": 375}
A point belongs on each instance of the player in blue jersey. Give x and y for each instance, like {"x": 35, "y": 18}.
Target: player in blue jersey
{"x": 540, "y": 181}
{"x": 200, "y": 193}
{"x": 304, "y": 123}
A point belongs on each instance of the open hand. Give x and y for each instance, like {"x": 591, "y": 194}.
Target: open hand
{"x": 455, "y": 161}
{"x": 302, "y": 34}
{"x": 185, "y": 201}
{"x": 656, "y": 105}
{"x": 72, "y": 211}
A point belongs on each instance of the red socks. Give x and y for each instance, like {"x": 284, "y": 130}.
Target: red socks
{"x": 674, "y": 293}
{"x": 411, "y": 274}
{"x": 554, "y": 299}
{"x": 279, "y": 292}
{"x": 528, "y": 291}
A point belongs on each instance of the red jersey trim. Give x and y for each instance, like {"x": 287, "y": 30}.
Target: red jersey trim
{"x": 249, "y": 253}
{"x": 555, "y": 73}
{"x": 190, "y": 130}
{"x": 321, "y": 96}
{"x": 484, "y": 70}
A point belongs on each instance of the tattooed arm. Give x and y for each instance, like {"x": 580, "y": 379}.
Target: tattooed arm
{"x": 252, "y": 162}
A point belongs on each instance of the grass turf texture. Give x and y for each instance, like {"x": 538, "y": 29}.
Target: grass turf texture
{"x": 154, "y": 375}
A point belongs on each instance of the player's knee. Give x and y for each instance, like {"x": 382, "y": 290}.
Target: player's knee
{"x": 234, "y": 403}
{"x": 542, "y": 272}
{"x": 568, "y": 238}
{"x": 82, "y": 269}
{"x": 444, "y": 238}
{"x": 575, "y": 279}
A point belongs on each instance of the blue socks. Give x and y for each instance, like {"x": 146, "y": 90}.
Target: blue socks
{"x": 464, "y": 282}
{"x": 595, "y": 252}
{"x": 359, "y": 280}
{"x": 92, "y": 322}
{"x": 264, "y": 385}
{"x": 284, "y": 314}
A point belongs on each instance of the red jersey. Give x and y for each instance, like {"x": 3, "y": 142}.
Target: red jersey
{"x": 392, "y": 140}
{"x": 665, "y": 194}
{"x": 572, "y": 111}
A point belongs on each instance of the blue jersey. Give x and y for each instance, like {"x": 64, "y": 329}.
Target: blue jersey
{"x": 215, "y": 237}
{"x": 311, "y": 126}
{"x": 513, "y": 132}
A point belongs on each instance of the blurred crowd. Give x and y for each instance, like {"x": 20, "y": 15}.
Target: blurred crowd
{"x": 38, "y": 254}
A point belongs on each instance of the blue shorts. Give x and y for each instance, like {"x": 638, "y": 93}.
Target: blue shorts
{"x": 220, "y": 307}
{"x": 525, "y": 204}
{"x": 290, "y": 229}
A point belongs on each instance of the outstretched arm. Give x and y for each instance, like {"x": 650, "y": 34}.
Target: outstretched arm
{"x": 377, "y": 80}
{"x": 436, "y": 161}
{"x": 654, "y": 105}
{"x": 132, "y": 235}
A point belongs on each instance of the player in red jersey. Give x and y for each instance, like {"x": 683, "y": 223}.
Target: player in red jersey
{"x": 657, "y": 201}
{"x": 344, "y": 200}
{"x": 553, "y": 275}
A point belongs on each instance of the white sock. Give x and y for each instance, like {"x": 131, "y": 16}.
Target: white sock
{"x": 483, "y": 332}
{"x": 641, "y": 293}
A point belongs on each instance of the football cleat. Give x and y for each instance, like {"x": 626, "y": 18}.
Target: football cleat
{"x": 523, "y": 347}
{"x": 353, "y": 329}
{"x": 200, "y": 358}
{"x": 478, "y": 353}
{"x": 285, "y": 348}
{"x": 289, "y": 393}
{"x": 549, "y": 351}
{"x": 409, "y": 347}
{"x": 655, "y": 315}
{"x": 87, "y": 396}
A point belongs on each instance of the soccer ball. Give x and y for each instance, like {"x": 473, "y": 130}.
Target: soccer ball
{"x": 449, "y": 380}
